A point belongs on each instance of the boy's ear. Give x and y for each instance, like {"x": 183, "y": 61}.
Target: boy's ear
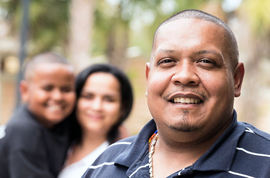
{"x": 24, "y": 89}
{"x": 238, "y": 78}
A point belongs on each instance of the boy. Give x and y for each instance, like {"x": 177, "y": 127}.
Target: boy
{"x": 35, "y": 141}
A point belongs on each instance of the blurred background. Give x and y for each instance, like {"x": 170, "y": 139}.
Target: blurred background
{"x": 121, "y": 32}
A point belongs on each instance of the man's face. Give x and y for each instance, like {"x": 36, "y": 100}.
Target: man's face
{"x": 50, "y": 93}
{"x": 190, "y": 80}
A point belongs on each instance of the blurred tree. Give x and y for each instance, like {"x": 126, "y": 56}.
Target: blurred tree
{"x": 255, "y": 30}
{"x": 66, "y": 26}
{"x": 122, "y": 23}
{"x": 80, "y": 28}
{"x": 48, "y": 23}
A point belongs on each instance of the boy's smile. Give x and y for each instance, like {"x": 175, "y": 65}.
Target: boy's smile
{"x": 50, "y": 93}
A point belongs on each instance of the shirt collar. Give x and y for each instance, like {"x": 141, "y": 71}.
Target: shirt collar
{"x": 221, "y": 154}
{"x": 139, "y": 146}
{"x": 219, "y": 157}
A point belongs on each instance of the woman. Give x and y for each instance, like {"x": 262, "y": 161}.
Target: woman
{"x": 104, "y": 101}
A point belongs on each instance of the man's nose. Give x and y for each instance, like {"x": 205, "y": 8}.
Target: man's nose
{"x": 186, "y": 74}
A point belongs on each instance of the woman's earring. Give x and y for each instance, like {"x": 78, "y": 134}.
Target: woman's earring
{"x": 146, "y": 93}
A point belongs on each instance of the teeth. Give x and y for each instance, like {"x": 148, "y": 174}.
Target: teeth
{"x": 54, "y": 108}
{"x": 186, "y": 100}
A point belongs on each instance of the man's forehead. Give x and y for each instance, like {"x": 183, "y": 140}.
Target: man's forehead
{"x": 182, "y": 24}
{"x": 185, "y": 29}
{"x": 187, "y": 33}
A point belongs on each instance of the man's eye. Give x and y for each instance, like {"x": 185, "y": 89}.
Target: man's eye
{"x": 206, "y": 61}
{"x": 166, "y": 61}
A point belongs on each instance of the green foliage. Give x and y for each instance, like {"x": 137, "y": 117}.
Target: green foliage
{"x": 144, "y": 37}
{"x": 48, "y": 22}
{"x": 257, "y": 13}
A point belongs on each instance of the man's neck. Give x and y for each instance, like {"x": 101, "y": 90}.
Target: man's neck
{"x": 172, "y": 154}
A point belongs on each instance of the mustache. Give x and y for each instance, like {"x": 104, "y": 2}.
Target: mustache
{"x": 201, "y": 94}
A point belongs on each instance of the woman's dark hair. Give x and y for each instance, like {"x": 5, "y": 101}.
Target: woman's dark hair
{"x": 126, "y": 99}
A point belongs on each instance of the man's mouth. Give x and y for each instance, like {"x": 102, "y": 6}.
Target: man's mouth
{"x": 186, "y": 100}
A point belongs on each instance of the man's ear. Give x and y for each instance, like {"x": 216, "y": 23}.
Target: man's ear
{"x": 238, "y": 78}
{"x": 24, "y": 89}
{"x": 147, "y": 69}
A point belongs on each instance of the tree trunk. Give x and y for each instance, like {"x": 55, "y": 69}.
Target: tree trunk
{"x": 81, "y": 24}
{"x": 117, "y": 46}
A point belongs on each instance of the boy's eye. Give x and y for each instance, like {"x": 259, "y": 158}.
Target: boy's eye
{"x": 47, "y": 88}
{"x": 66, "y": 89}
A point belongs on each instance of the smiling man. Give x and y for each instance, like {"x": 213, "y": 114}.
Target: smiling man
{"x": 192, "y": 79}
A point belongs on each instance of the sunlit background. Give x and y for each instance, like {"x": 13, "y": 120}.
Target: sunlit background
{"x": 120, "y": 32}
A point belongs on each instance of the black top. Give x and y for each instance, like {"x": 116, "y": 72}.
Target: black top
{"x": 242, "y": 151}
{"x": 28, "y": 149}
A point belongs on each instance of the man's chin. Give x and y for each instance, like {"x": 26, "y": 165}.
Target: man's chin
{"x": 184, "y": 127}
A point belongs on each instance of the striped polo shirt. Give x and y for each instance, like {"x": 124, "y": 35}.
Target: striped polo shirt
{"x": 242, "y": 151}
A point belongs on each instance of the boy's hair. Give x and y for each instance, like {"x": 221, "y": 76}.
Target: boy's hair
{"x": 46, "y": 57}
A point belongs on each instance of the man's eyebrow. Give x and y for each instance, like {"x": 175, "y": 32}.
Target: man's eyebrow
{"x": 166, "y": 51}
{"x": 207, "y": 51}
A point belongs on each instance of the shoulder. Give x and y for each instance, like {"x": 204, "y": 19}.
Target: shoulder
{"x": 254, "y": 140}
{"x": 22, "y": 130}
{"x": 104, "y": 166}
{"x": 117, "y": 148}
{"x": 23, "y": 124}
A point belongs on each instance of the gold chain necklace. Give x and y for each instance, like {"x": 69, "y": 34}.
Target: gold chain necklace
{"x": 152, "y": 149}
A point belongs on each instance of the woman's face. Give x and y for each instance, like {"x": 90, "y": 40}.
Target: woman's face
{"x": 99, "y": 103}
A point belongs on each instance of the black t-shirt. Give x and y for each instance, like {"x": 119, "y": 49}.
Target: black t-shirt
{"x": 28, "y": 149}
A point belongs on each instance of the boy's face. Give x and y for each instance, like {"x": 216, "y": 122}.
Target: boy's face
{"x": 49, "y": 92}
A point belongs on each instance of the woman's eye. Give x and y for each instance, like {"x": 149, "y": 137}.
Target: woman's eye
{"x": 109, "y": 99}
{"x": 87, "y": 96}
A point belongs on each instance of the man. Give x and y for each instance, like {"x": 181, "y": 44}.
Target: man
{"x": 192, "y": 79}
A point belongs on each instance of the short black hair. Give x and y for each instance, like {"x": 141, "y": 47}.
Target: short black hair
{"x": 231, "y": 44}
{"x": 42, "y": 58}
{"x": 126, "y": 99}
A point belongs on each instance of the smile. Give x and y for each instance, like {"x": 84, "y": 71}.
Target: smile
{"x": 186, "y": 100}
{"x": 54, "y": 108}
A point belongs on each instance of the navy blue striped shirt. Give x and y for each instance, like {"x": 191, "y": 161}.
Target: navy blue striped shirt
{"x": 242, "y": 151}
